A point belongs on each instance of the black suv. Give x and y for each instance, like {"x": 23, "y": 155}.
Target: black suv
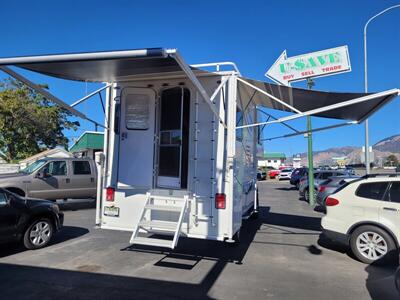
{"x": 32, "y": 221}
{"x": 296, "y": 175}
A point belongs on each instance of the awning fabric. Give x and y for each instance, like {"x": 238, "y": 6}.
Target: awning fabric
{"x": 115, "y": 66}
{"x": 108, "y": 66}
{"x": 306, "y": 100}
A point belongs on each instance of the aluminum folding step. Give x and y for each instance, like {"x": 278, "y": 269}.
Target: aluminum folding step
{"x": 155, "y": 203}
{"x": 152, "y": 242}
{"x": 163, "y": 207}
{"x": 162, "y": 225}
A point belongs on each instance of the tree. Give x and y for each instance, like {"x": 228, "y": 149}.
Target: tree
{"x": 29, "y": 123}
{"x": 391, "y": 161}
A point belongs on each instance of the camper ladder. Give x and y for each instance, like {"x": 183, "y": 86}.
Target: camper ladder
{"x": 161, "y": 215}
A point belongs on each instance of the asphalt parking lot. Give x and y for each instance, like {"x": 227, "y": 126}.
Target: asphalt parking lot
{"x": 281, "y": 256}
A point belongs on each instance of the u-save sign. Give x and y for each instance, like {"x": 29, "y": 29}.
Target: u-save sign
{"x": 315, "y": 64}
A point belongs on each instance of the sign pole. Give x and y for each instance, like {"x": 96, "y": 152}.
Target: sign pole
{"x": 311, "y": 196}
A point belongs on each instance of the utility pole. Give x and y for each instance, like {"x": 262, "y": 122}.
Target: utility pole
{"x": 311, "y": 196}
{"x": 367, "y": 156}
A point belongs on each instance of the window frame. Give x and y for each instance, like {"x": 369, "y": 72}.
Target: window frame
{"x": 81, "y": 161}
{"x": 126, "y": 110}
{"x": 383, "y": 198}
{"x": 387, "y": 192}
{"x": 53, "y": 161}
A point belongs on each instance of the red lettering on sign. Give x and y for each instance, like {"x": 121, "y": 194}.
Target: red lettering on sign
{"x": 332, "y": 68}
{"x": 287, "y": 77}
{"x": 307, "y": 73}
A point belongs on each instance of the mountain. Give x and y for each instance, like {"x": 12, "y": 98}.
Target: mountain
{"x": 390, "y": 144}
{"x": 381, "y": 149}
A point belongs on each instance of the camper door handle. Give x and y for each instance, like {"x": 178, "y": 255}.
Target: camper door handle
{"x": 67, "y": 180}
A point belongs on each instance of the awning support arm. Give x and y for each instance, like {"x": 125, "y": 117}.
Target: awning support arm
{"x": 185, "y": 68}
{"x": 311, "y": 131}
{"x": 269, "y": 95}
{"x": 90, "y": 95}
{"x": 46, "y": 94}
{"x": 221, "y": 85}
{"x": 327, "y": 108}
{"x": 283, "y": 123}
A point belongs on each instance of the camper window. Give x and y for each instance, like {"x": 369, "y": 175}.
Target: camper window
{"x": 137, "y": 112}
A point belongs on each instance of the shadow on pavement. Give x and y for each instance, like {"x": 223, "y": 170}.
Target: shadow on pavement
{"x": 53, "y": 283}
{"x": 194, "y": 250}
{"x": 294, "y": 221}
{"x": 291, "y": 188}
{"x": 331, "y": 245}
{"x": 46, "y": 283}
{"x": 66, "y": 233}
{"x": 381, "y": 280}
{"x": 74, "y": 204}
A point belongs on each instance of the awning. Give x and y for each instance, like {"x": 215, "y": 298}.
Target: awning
{"x": 107, "y": 66}
{"x": 300, "y": 100}
{"x": 114, "y": 66}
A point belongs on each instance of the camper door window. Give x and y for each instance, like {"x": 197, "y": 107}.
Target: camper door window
{"x": 137, "y": 112}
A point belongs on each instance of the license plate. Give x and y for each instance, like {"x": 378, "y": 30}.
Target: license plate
{"x": 111, "y": 211}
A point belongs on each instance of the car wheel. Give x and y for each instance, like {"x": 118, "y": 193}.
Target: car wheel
{"x": 38, "y": 234}
{"x": 370, "y": 244}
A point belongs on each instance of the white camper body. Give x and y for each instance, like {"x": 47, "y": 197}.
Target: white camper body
{"x": 165, "y": 145}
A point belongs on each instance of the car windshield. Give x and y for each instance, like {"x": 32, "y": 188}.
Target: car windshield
{"x": 34, "y": 166}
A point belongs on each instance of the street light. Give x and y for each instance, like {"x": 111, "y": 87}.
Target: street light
{"x": 366, "y": 81}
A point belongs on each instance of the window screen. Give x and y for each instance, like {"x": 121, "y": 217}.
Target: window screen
{"x": 137, "y": 111}
{"x": 239, "y": 122}
{"x": 373, "y": 190}
{"x": 394, "y": 192}
{"x": 81, "y": 167}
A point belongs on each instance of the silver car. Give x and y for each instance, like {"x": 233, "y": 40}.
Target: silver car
{"x": 54, "y": 178}
{"x": 330, "y": 185}
{"x": 319, "y": 176}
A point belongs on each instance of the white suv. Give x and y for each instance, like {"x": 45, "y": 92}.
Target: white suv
{"x": 365, "y": 215}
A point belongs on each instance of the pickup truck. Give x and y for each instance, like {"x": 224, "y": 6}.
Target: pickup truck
{"x": 54, "y": 178}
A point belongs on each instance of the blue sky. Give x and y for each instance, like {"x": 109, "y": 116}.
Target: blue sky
{"x": 250, "y": 33}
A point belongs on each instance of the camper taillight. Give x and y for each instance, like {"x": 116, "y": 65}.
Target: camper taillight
{"x": 110, "y": 191}
{"x": 220, "y": 201}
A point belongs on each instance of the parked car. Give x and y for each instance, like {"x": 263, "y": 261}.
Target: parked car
{"x": 54, "y": 178}
{"x": 261, "y": 175}
{"x": 273, "y": 173}
{"x": 285, "y": 174}
{"x": 364, "y": 214}
{"x": 319, "y": 176}
{"x": 296, "y": 175}
{"x": 330, "y": 185}
{"x": 32, "y": 221}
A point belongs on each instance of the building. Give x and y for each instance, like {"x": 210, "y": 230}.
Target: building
{"x": 88, "y": 144}
{"x": 56, "y": 152}
{"x": 296, "y": 161}
{"x": 272, "y": 159}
